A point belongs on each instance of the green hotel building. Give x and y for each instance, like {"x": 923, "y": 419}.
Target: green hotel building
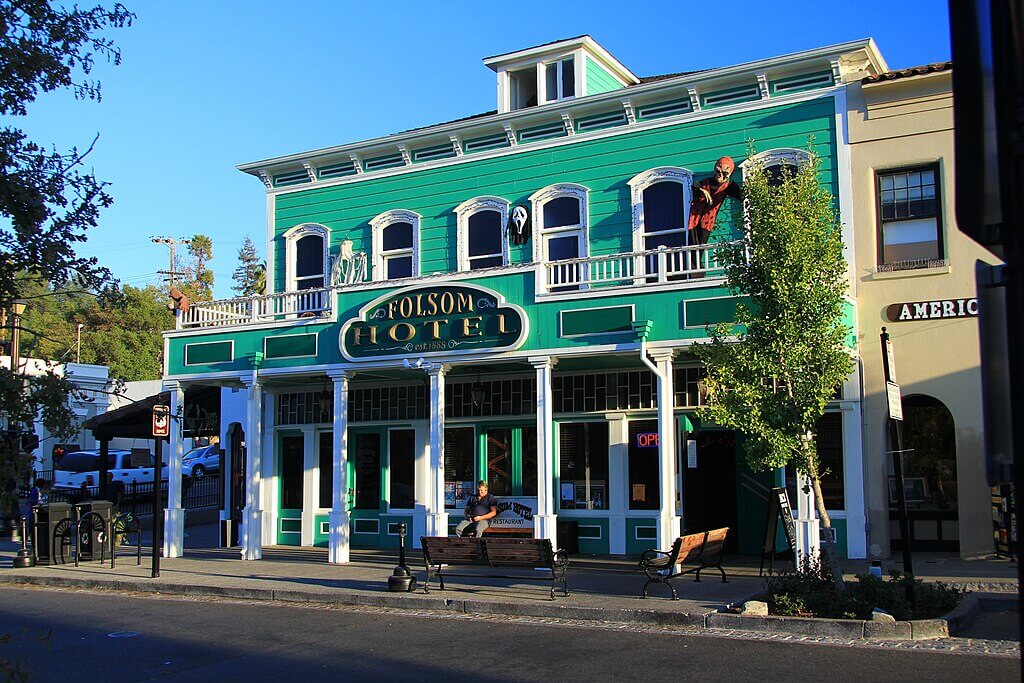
{"x": 513, "y": 297}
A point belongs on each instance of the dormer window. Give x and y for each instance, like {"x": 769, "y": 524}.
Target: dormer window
{"x": 560, "y": 80}
{"x": 522, "y": 85}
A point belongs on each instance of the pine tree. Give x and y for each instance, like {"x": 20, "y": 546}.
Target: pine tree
{"x": 250, "y": 275}
{"x": 198, "y": 282}
{"x": 771, "y": 374}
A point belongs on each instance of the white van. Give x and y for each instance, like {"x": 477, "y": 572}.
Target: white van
{"x": 126, "y": 466}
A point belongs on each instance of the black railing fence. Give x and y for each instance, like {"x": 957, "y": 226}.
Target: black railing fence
{"x": 137, "y": 498}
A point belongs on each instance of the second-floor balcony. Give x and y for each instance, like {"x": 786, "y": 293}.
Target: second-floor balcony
{"x": 674, "y": 267}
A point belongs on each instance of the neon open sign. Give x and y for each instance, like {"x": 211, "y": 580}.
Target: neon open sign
{"x": 647, "y": 440}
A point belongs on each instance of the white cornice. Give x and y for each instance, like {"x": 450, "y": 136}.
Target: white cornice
{"x": 480, "y": 126}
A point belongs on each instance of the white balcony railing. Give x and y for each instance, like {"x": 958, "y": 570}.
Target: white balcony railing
{"x": 306, "y": 303}
{"x": 675, "y": 264}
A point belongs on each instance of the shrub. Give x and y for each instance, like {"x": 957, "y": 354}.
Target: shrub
{"x": 811, "y": 593}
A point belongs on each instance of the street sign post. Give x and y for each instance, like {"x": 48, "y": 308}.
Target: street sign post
{"x": 161, "y": 429}
{"x": 896, "y": 449}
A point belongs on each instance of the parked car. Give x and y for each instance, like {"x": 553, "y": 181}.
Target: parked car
{"x": 199, "y": 462}
{"x": 84, "y": 467}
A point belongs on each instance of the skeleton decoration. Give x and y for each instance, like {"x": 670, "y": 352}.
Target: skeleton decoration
{"x": 519, "y": 226}
{"x": 349, "y": 266}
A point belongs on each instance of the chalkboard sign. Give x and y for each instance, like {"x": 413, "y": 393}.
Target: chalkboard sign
{"x": 778, "y": 508}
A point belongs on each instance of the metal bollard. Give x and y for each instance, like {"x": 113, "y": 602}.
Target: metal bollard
{"x": 23, "y": 560}
{"x": 401, "y": 580}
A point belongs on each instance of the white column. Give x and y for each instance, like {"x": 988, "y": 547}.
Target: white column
{"x": 808, "y": 536}
{"x": 174, "y": 516}
{"x": 338, "y": 539}
{"x": 668, "y": 519}
{"x": 544, "y": 520}
{"x": 618, "y": 482}
{"x": 437, "y": 517}
{"x": 310, "y": 491}
{"x": 251, "y": 535}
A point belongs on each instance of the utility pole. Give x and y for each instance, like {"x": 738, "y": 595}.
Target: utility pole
{"x": 172, "y": 244}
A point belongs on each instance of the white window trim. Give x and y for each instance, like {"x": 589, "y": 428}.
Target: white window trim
{"x": 541, "y": 197}
{"x": 291, "y": 239}
{"x": 790, "y": 156}
{"x": 377, "y": 226}
{"x": 542, "y": 81}
{"x": 642, "y": 181}
{"x": 463, "y": 213}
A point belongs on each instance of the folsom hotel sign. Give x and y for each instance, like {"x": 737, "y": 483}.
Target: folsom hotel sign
{"x": 932, "y": 310}
{"x": 433, "y": 320}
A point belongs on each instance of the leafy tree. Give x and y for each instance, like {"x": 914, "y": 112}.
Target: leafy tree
{"x": 121, "y": 329}
{"x": 198, "y": 284}
{"x": 771, "y": 374}
{"x": 251, "y": 274}
{"x": 48, "y": 200}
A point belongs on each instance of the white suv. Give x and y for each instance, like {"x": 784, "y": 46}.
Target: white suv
{"x": 84, "y": 466}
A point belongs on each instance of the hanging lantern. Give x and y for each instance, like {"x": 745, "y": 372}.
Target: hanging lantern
{"x": 478, "y": 393}
{"x": 324, "y": 400}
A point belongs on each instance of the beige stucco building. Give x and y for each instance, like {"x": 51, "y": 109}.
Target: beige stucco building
{"x": 909, "y": 250}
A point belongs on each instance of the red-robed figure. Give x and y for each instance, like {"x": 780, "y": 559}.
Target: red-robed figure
{"x": 708, "y": 196}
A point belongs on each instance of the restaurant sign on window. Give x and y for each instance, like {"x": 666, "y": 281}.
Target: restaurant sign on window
{"x": 433, "y": 320}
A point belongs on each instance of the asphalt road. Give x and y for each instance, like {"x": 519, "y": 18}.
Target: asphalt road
{"x": 91, "y": 639}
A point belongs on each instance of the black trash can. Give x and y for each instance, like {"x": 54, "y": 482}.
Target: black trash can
{"x": 45, "y": 519}
{"x": 569, "y": 536}
{"x": 91, "y": 541}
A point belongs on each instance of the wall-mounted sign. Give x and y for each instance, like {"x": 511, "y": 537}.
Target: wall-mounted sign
{"x": 161, "y": 421}
{"x": 932, "y": 310}
{"x": 647, "y": 440}
{"x": 433, "y": 320}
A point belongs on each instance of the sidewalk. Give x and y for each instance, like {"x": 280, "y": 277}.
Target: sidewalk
{"x": 601, "y": 588}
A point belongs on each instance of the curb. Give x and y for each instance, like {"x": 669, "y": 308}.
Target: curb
{"x": 387, "y": 600}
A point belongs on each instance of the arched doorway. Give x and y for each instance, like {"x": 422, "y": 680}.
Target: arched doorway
{"x": 930, "y": 482}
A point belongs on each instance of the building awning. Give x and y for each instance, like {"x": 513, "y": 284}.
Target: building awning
{"x": 135, "y": 420}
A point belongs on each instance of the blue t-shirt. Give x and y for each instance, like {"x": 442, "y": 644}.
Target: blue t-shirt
{"x": 478, "y": 506}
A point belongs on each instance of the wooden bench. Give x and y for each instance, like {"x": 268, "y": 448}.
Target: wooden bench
{"x": 705, "y": 549}
{"x": 440, "y": 552}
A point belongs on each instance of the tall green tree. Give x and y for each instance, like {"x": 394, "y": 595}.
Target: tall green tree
{"x": 48, "y": 199}
{"x": 771, "y": 374}
{"x": 250, "y": 276}
{"x": 198, "y": 282}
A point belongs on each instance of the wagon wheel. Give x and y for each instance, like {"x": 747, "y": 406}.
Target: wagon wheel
{"x": 92, "y": 523}
{"x": 62, "y": 531}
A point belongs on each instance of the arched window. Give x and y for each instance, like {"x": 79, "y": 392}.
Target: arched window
{"x": 396, "y": 245}
{"x": 482, "y": 241}
{"x": 306, "y": 257}
{"x": 560, "y": 222}
{"x": 661, "y": 210}
{"x": 776, "y": 161}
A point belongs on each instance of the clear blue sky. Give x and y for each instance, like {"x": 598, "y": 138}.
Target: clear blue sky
{"x": 207, "y": 85}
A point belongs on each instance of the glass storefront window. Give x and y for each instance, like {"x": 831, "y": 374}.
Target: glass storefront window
{"x": 402, "y": 455}
{"x": 499, "y": 461}
{"x": 529, "y": 447}
{"x": 644, "y": 492}
{"x": 367, "y": 466}
{"x": 583, "y": 465}
{"x": 291, "y": 472}
{"x": 326, "y": 454}
{"x": 459, "y": 465}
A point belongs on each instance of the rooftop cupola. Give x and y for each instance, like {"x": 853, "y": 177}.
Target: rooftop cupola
{"x": 562, "y": 70}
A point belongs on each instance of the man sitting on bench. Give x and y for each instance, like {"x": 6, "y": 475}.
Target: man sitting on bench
{"x": 479, "y": 510}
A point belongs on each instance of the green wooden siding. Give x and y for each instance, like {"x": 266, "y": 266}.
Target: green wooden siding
{"x": 603, "y": 165}
{"x": 598, "y": 79}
